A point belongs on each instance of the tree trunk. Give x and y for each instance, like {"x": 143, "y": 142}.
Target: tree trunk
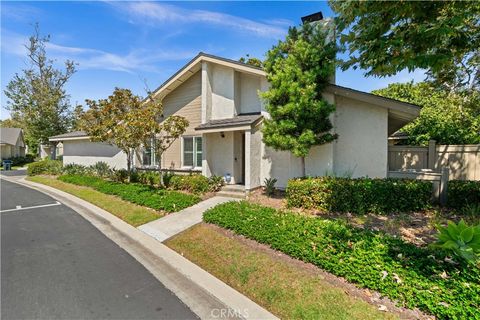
{"x": 160, "y": 172}
{"x": 302, "y": 159}
{"x": 129, "y": 165}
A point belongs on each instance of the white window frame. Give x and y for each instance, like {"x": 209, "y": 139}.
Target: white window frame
{"x": 194, "y": 144}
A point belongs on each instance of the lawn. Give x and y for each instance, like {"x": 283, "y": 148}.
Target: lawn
{"x": 131, "y": 213}
{"x": 282, "y": 286}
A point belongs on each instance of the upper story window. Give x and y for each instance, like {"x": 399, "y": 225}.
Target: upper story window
{"x": 192, "y": 152}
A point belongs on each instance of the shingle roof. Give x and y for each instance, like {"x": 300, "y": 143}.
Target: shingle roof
{"x": 9, "y": 135}
{"x": 73, "y": 134}
{"x": 239, "y": 120}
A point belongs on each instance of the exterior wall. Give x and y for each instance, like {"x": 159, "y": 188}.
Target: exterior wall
{"x": 6, "y": 151}
{"x": 222, "y": 81}
{"x": 87, "y": 153}
{"x": 361, "y": 147}
{"x": 249, "y": 99}
{"x": 254, "y": 172}
{"x": 238, "y": 156}
{"x": 185, "y": 101}
{"x": 219, "y": 154}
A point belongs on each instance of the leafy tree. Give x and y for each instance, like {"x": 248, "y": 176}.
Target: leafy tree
{"x": 385, "y": 37}
{"x": 251, "y": 61}
{"x": 37, "y": 97}
{"x": 77, "y": 117}
{"x": 10, "y": 123}
{"x": 129, "y": 122}
{"x": 298, "y": 70}
{"x": 447, "y": 117}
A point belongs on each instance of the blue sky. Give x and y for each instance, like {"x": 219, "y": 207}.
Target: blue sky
{"x": 121, "y": 44}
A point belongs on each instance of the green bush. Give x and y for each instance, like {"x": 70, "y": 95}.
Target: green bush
{"x": 20, "y": 161}
{"x": 360, "y": 196}
{"x": 463, "y": 193}
{"x": 149, "y": 177}
{"x": 120, "y": 175}
{"x": 159, "y": 199}
{"x": 193, "y": 183}
{"x": 415, "y": 277}
{"x": 101, "y": 169}
{"x": 215, "y": 183}
{"x": 45, "y": 167}
{"x": 73, "y": 168}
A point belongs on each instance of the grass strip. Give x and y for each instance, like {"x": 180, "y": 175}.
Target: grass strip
{"x": 282, "y": 287}
{"x": 131, "y": 213}
{"x": 144, "y": 195}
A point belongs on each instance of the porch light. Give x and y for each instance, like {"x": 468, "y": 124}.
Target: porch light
{"x": 222, "y": 134}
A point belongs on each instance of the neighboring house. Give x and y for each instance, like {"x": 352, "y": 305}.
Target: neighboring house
{"x": 12, "y": 143}
{"x": 77, "y": 148}
{"x": 47, "y": 150}
{"x": 220, "y": 99}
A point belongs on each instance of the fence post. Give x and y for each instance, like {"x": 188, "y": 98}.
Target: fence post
{"x": 444, "y": 186}
{"x": 432, "y": 154}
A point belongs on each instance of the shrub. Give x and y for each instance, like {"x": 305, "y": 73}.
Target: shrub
{"x": 461, "y": 239}
{"x": 167, "y": 177}
{"x": 45, "y": 167}
{"x": 411, "y": 275}
{"x": 120, "y": 175}
{"x": 20, "y": 161}
{"x": 193, "y": 183}
{"x": 462, "y": 193}
{"x": 270, "y": 186}
{"x": 359, "y": 195}
{"x": 73, "y": 168}
{"x": 149, "y": 178}
{"x": 215, "y": 183}
{"x": 158, "y": 199}
{"x": 101, "y": 169}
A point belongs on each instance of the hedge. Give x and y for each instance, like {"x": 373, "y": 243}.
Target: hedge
{"x": 360, "y": 196}
{"x": 45, "y": 167}
{"x": 195, "y": 183}
{"x": 463, "y": 193}
{"x": 415, "y": 277}
{"x": 159, "y": 199}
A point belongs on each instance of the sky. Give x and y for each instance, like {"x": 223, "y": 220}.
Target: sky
{"x": 140, "y": 44}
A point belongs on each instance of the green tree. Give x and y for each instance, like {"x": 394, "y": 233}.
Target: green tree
{"x": 385, "y": 37}
{"x": 37, "y": 98}
{"x": 298, "y": 70}
{"x": 251, "y": 61}
{"x": 129, "y": 122}
{"x": 447, "y": 117}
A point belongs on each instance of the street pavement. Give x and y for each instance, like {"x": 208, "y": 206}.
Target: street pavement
{"x": 56, "y": 265}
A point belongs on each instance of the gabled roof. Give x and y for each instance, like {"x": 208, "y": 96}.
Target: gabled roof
{"x": 10, "y": 135}
{"x": 74, "y": 135}
{"x": 195, "y": 65}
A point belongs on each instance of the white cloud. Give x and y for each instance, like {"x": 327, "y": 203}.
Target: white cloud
{"x": 88, "y": 58}
{"x": 20, "y": 12}
{"x": 158, "y": 13}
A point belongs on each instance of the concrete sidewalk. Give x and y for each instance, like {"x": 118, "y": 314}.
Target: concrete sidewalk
{"x": 205, "y": 295}
{"x": 168, "y": 226}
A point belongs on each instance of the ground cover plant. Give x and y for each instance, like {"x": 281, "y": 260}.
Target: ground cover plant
{"x": 129, "y": 212}
{"x": 362, "y": 195}
{"x": 284, "y": 286}
{"x": 416, "y": 277}
{"x": 144, "y": 195}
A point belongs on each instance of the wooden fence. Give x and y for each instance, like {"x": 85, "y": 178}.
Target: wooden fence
{"x": 463, "y": 161}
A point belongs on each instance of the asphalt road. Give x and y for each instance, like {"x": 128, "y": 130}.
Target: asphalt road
{"x": 56, "y": 265}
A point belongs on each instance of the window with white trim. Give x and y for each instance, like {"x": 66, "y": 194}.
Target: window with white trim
{"x": 149, "y": 158}
{"x": 192, "y": 151}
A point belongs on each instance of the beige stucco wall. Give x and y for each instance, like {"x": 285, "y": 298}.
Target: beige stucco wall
{"x": 361, "y": 147}
{"x": 5, "y": 151}
{"x": 88, "y": 153}
{"x": 249, "y": 100}
{"x": 254, "y": 170}
{"x": 220, "y": 154}
{"x": 223, "y": 93}
{"x": 184, "y": 101}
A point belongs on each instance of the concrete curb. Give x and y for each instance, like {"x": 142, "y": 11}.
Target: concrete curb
{"x": 205, "y": 295}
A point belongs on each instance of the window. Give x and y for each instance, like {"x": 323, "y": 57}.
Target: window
{"x": 149, "y": 158}
{"x": 192, "y": 151}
